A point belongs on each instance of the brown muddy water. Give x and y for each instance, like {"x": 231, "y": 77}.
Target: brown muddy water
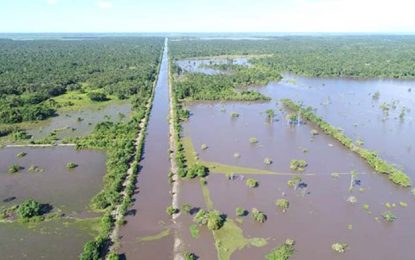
{"x": 319, "y": 213}
{"x": 145, "y": 234}
{"x": 80, "y": 123}
{"x": 67, "y": 190}
{"x": 349, "y": 104}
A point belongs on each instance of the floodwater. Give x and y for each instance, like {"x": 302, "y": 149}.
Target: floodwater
{"x": 67, "y": 190}
{"x": 80, "y": 123}
{"x": 319, "y": 213}
{"x": 148, "y": 217}
{"x": 349, "y": 104}
{"x": 202, "y": 65}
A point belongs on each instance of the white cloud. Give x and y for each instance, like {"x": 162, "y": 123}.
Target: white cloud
{"x": 104, "y": 4}
{"x": 52, "y": 2}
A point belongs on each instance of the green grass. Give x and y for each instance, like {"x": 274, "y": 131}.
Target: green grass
{"x": 194, "y": 231}
{"x": 230, "y": 238}
{"x": 206, "y": 196}
{"x": 157, "y": 236}
{"x": 75, "y": 100}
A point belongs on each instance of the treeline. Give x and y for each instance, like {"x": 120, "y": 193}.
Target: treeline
{"x": 32, "y": 72}
{"x": 324, "y": 56}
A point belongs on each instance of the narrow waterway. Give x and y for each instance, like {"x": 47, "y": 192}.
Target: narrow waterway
{"x": 146, "y": 234}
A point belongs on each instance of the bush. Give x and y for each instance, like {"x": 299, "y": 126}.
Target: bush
{"x": 240, "y": 212}
{"x": 212, "y": 219}
{"x": 252, "y": 183}
{"x": 14, "y": 168}
{"x": 171, "y": 210}
{"x": 283, "y": 204}
{"x": 197, "y": 170}
{"x": 29, "y": 209}
{"x": 258, "y": 216}
{"x": 298, "y": 165}
{"x": 268, "y": 161}
{"x": 339, "y": 247}
{"x": 189, "y": 256}
{"x": 71, "y": 165}
{"x": 388, "y": 216}
{"x": 97, "y": 96}
{"x": 186, "y": 208}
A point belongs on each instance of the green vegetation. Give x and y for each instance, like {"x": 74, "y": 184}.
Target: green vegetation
{"x": 33, "y": 73}
{"x": 157, "y": 236}
{"x": 268, "y": 161}
{"x": 170, "y": 210}
{"x": 283, "y": 204}
{"x": 395, "y": 175}
{"x": 197, "y": 170}
{"x": 372, "y": 56}
{"x": 97, "y": 96}
{"x": 186, "y": 208}
{"x": 294, "y": 181}
{"x": 15, "y": 168}
{"x": 298, "y": 165}
{"x": 388, "y": 216}
{"x": 21, "y": 154}
{"x": 258, "y": 216}
{"x": 71, "y": 165}
{"x": 282, "y": 252}
{"x": 253, "y": 140}
{"x": 189, "y": 256}
{"x": 240, "y": 212}
{"x": 251, "y": 183}
{"x": 210, "y": 218}
{"x": 270, "y": 114}
{"x": 194, "y": 231}
{"x": 29, "y": 209}
{"x": 339, "y": 247}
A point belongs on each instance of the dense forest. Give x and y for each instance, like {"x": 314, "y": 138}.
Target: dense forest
{"x": 325, "y": 56}
{"x": 33, "y": 72}
{"x": 229, "y": 86}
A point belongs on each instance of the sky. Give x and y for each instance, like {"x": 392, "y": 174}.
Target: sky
{"x": 379, "y": 16}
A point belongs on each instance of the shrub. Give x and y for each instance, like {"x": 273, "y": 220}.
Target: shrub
{"x": 204, "y": 147}
{"x": 283, "y": 204}
{"x": 298, "y": 165}
{"x": 71, "y": 165}
{"x": 388, "y": 216}
{"x": 268, "y": 161}
{"x": 189, "y": 256}
{"x": 240, "y": 212}
{"x": 253, "y": 140}
{"x": 294, "y": 181}
{"x": 212, "y": 219}
{"x": 339, "y": 247}
{"x": 251, "y": 183}
{"x": 14, "y": 168}
{"x": 97, "y": 96}
{"x": 171, "y": 210}
{"x": 258, "y": 216}
{"x": 29, "y": 209}
{"x": 197, "y": 170}
{"x": 21, "y": 154}
{"x": 186, "y": 208}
